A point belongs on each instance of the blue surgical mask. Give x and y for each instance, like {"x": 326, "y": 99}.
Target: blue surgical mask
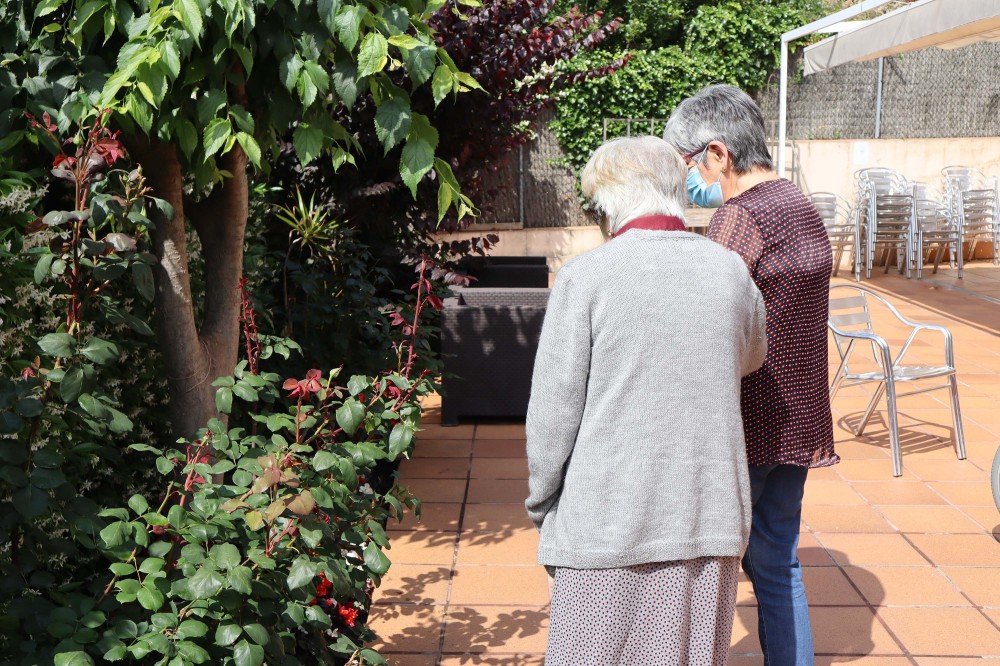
{"x": 701, "y": 193}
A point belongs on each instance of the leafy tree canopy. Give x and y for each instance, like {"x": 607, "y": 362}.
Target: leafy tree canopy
{"x": 676, "y": 47}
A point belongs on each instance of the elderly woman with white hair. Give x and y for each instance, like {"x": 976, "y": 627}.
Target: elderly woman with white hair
{"x": 637, "y": 465}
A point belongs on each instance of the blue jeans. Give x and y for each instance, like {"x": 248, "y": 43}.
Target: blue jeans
{"x": 772, "y": 565}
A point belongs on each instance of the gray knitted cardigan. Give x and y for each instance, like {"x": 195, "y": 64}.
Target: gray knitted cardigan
{"x": 635, "y": 440}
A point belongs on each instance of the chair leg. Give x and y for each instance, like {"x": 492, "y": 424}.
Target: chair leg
{"x": 956, "y": 415}
{"x": 870, "y": 410}
{"x": 890, "y": 408}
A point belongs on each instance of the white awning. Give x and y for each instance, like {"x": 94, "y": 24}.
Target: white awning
{"x": 942, "y": 23}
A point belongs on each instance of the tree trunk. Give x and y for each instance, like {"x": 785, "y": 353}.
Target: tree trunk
{"x": 194, "y": 359}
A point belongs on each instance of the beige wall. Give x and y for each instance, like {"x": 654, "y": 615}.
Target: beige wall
{"x": 817, "y": 166}
{"x": 829, "y": 166}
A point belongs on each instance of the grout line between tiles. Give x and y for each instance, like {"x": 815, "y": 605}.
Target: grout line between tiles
{"x": 454, "y": 557}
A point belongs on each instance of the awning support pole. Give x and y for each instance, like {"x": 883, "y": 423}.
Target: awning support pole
{"x": 791, "y": 36}
{"x": 878, "y": 99}
{"x": 782, "y": 107}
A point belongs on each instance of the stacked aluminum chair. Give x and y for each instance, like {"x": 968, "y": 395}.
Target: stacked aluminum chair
{"x": 935, "y": 228}
{"x": 973, "y": 203}
{"x": 886, "y": 210}
{"x": 842, "y": 226}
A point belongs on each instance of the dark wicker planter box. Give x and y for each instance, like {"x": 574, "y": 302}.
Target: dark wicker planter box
{"x": 489, "y": 337}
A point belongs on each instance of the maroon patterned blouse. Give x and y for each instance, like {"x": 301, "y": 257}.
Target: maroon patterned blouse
{"x": 786, "y": 403}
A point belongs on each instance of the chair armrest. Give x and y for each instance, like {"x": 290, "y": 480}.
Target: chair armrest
{"x": 876, "y": 340}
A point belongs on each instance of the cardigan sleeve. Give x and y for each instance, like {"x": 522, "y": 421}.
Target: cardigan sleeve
{"x": 733, "y": 227}
{"x": 558, "y": 394}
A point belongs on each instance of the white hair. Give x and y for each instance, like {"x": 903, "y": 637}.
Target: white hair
{"x": 633, "y": 177}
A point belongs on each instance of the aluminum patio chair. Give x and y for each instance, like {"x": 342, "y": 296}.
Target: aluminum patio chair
{"x": 973, "y": 203}
{"x": 935, "y": 229}
{"x": 851, "y": 323}
{"x": 842, "y": 227}
{"x": 885, "y": 204}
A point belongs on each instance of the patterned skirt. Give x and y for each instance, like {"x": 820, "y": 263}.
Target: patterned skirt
{"x": 661, "y": 614}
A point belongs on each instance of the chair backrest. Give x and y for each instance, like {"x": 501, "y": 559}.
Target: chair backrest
{"x": 849, "y": 309}
{"x": 963, "y": 178}
{"x": 850, "y": 313}
{"x": 833, "y": 209}
{"x": 932, "y": 214}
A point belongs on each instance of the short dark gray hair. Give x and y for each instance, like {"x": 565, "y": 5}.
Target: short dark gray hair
{"x": 721, "y": 113}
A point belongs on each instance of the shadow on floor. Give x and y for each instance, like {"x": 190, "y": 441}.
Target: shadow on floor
{"x": 911, "y": 440}
{"x": 837, "y": 630}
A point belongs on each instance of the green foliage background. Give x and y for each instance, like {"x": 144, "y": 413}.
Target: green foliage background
{"x": 677, "y": 47}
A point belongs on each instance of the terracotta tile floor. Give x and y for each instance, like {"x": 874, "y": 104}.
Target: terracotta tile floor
{"x": 900, "y": 572}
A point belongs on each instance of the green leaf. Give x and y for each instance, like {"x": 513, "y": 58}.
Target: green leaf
{"x": 206, "y": 583}
{"x": 416, "y": 161}
{"x": 42, "y": 267}
{"x": 345, "y": 82}
{"x": 190, "y": 15}
{"x": 225, "y": 555}
{"x": 75, "y": 658}
{"x": 375, "y": 559}
{"x": 323, "y": 460}
{"x": 301, "y": 573}
{"x": 316, "y": 616}
{"x": 349, "y": 20}
{"x": 71, "y": 385}
{"x": 350, "y": 415}
{"x": 61, "y": 345}
{"x": 308, "y": 142}
{"x": 224, "y": 400}
{"x": 467, "y": 81}
{"x": 139, "y": 110}
{"x": 226, "y": 634}
{"x": 150, "y": 598}
{"x": 254, "y": 520}
{"x": 170, "y": 57}
{"x": 400, "y": 438}
{"x": 392, "y": 122}
{"x": 115, "y": 534}
{"x": 187, "y": 135}
{"x": 374, "y": 54}
{"x": 420, "y": 62}
{"x": 192, "y": 653}
{"x": 289, "y": 71}
{"x": 46, "y": 7}
{"x": 245, "y": 393}
{"x": 142, "y": 277}
{"x": 100, "y": 351}
{"x": 138, "y": 504}
{"x": 370, "y": 656}
{"x": 152, "y": 564}
{"x": 247, "y": 654}
{"x": 30, "y": 501}
{"x": 443, "y": 83}
{"x": 122, "y": 569}
{"x": 327, "y": 10}
{"x": 257, "y": 633}
{"x": 239, "y": 579}
{"x": 216, "y": 134}
{"x": 192, "y": 629}
{"x": 250, "y": 147}
{"x": 357, "y": 383}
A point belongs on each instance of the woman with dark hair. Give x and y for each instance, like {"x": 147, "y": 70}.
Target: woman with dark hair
{"x": 719, "y": 133}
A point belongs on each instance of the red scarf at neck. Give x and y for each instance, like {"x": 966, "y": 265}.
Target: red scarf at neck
{"x": 654, "y": 223}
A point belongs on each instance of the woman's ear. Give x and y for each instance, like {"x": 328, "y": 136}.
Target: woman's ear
{"x": 719, "y": 155}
